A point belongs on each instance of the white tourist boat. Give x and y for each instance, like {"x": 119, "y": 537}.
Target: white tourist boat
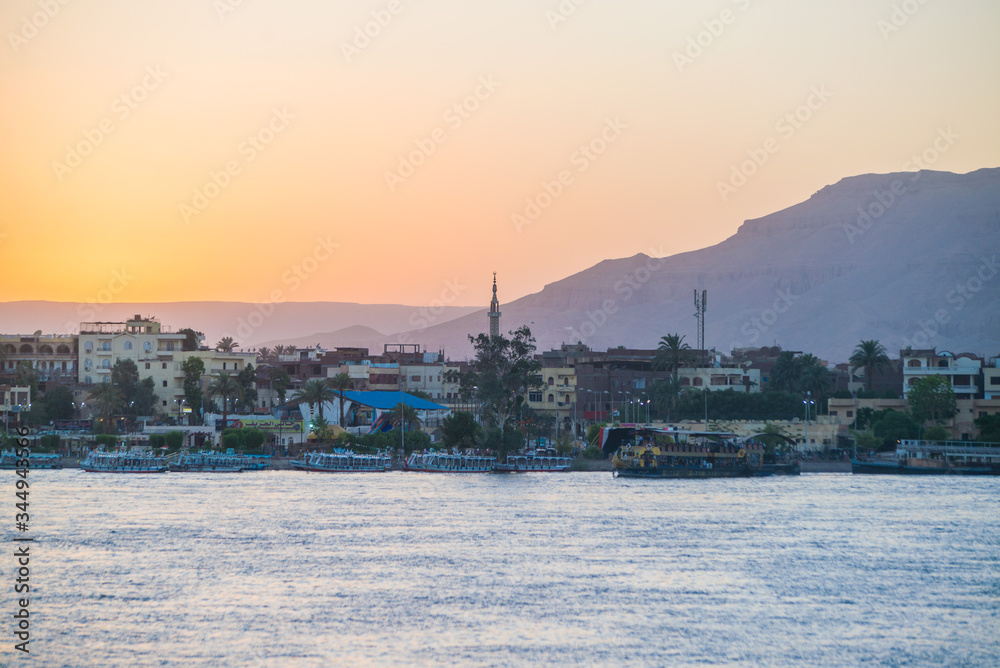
{"x": 534, "y": 460}
{"x": 36, "y": 460}
{"x": 123, "y": 462}
{"x": 343, "y": 461}
{"x": 449, "y": 462}
{"x": 217, "y": 462}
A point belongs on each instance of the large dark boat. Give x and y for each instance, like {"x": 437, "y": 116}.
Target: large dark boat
{"x": 649, "y": 452}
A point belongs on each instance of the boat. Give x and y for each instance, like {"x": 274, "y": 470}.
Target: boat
{"x": 684, "y": 460}
{"x": 449, "y": 462}
{"x": 533, "y": 461}
{"x": 916, "y": 457}
{"x": 650, "y": 452}
{"x": 217, "y": 462}
{"x": 36, "y": 460}
{"x": 343, "y": 461}
{"x": 120, "y": 461}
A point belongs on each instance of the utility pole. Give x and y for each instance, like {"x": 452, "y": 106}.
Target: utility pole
{"x": 700, "y": 306}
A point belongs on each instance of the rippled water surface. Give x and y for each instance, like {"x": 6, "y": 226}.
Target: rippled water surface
{"x": 293, "y": 569}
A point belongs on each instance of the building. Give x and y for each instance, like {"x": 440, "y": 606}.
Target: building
{"x": 158, "y": 353}
{"x": 13, "y": 400}
{"x": 963, "y": 371}
{"x": 991, "y": 379}
{"x": 52, "y": 357}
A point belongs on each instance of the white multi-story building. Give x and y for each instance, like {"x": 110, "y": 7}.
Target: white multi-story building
{"x": 963, "y": 371}
{"x": 158, "y": 354}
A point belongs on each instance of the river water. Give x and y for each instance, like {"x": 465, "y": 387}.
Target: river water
{"x": 287, "y": 568}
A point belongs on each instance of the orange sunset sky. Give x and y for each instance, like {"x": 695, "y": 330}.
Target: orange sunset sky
{"x": 211, "y": 149}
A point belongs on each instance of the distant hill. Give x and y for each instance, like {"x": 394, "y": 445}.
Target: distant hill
{"x": 906, "y": 258}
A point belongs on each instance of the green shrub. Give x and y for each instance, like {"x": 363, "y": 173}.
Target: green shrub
{"x": 174, "y": 440}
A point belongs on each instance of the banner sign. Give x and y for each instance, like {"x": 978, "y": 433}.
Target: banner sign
{"x": 268, "y": 425}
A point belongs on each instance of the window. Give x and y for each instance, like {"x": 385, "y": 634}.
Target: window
{"x": 87, "y": 380}
{"x": 164, "y": 383}
{"x": 164, "y": 403}
{"x": 106, "y": 364}
{"x": 147, "y": 365}
{"x": 88, "y": 364}
{"x": 995, "y": 380}
{"x": 164, "y": 365}
{"x": 913, "y": 363}
{"x": 535, "y": 396}
{"x": 850, "y": 413}
{"x": 147, "y": 346}
{"x": 170, "y": 345}
{"x": 105, "y": 345}
{"x": 88, "y": 346}
{"x": 128, "y": 345}
{"x": 415, "y": 379}
{"x": 551, "y": 398}
{"x": 834, "y": 413}
{"x": 223, "y": 366}
{"x": 697, "y": 382}
{"x": 550, "y": 381}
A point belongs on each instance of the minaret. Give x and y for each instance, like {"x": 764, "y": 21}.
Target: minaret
{"x": 495, "y": 310}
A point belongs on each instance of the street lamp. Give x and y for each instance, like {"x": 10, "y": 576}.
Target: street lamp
{"x": 807, "y": 402}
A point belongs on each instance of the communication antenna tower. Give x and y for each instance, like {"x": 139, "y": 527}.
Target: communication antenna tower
{"x": 700, "y": 306}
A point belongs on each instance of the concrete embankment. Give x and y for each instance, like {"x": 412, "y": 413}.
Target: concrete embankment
{"x": 825, "y": 467}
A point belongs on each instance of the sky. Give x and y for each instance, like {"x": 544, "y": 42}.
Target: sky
{"x": 400, "y": 151}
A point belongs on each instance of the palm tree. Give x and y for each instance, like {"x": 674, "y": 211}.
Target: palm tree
{"x": 226, "y": 386}
{"x": 265, "y": 354}
{"x": 341, "y": 382}
{"x": 870, "y": 356}
{"x": 665, "y": 393}
{"x": 409, "y": 416}
{"x": 107, "y": 399}
{"x": 747, "y": 383}
{"x": 786, "y": 372}
{"x": 672, "y": 353}
{"x": 226, "y": 344}
{"x": 315, "y": 393}
{"x": 813, "y": 376}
